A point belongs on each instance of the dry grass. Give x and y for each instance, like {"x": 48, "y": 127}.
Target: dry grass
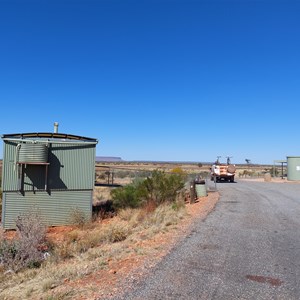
{"x": 101, "y": 193}
{"x": 84, "y": 252}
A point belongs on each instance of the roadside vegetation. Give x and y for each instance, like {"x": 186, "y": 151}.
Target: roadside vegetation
{"x": 0, "y": 199}
{"x": 34, "y": 265}
{"x": 0, "y": 203}
{"x": 159, "y": 188}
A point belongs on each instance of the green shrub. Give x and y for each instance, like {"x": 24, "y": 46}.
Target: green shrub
{"x": 162, "y": 187}
{"x": 158, "y": 188}
{"x": 125, "y": 197}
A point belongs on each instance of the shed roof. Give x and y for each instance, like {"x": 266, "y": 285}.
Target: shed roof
{"x": 48, "y": 135}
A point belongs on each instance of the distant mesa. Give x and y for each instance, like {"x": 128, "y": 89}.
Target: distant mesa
{"x": 108, "y": 159}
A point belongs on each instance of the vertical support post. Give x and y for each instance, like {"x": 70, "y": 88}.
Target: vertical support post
{"x": 215, "y": 181}
{"x": 21, "y": 177}
{"x": 192, "y": 192}
{"x": 108, "y": 175}
{"x": 46, "y": 177}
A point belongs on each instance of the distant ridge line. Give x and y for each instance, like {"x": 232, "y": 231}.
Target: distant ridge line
{"x": 168, "y": 162}
{"x": 119, "y": 159}
{"x": 109, "y": 159}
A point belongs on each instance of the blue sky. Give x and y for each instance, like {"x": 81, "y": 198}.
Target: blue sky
{"x": 155, "y": 80}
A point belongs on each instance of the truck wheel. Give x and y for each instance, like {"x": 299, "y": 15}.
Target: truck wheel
{"x": 232, "y": 179}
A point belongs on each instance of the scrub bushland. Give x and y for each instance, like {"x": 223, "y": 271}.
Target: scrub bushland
{"x": 83, "y": 252}
{"x": 34, "y": 265}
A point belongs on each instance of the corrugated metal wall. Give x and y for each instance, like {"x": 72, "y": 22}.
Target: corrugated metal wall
{"x": 10, "y": 176}
{"x": 72, "y": 166}
{"x": 55, "y": 208}
{"x": 71, "y": 178}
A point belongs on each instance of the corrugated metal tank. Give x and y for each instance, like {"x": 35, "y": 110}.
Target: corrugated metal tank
{"x": 32, "y": 153}
{"x": 201, "y": 190}
{"x": 293, "y": 167}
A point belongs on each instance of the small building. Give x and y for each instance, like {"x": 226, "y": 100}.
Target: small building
{"x": 53, "y": 173}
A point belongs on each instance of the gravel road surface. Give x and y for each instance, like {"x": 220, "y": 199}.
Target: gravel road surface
{"x": 247, "y": 248}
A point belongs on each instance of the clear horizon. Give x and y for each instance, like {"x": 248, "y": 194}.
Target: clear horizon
{"x": 155, "y": 80}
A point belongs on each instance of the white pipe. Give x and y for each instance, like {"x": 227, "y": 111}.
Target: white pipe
{"x": 17, "y": 156}
{"x": 56, "y": 127}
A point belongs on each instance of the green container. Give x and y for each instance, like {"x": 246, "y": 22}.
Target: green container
{"x": 293, "y": 167}
{"x": 32, "y": 153}
{"x": 201, "y": 190}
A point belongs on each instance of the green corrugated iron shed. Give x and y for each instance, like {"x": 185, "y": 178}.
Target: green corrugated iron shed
{"x": 53, "y": 173}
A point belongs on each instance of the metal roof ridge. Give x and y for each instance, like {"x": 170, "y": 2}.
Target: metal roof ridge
{"x": 48, "y": 135}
